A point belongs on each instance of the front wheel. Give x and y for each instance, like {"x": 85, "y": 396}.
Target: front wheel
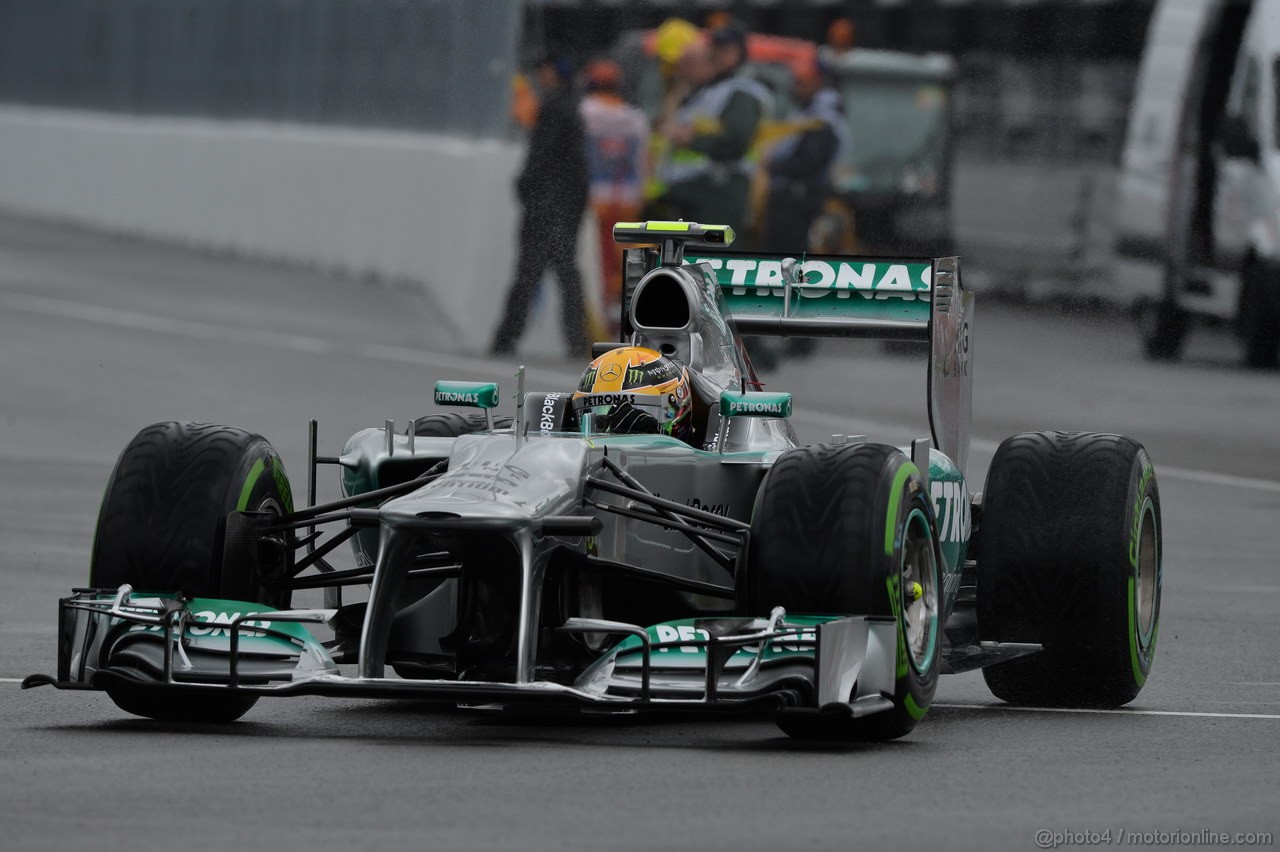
{"x": 849, "y": 530}
{"x": 1070, "y": 559}
{"x": 162, "y": 528}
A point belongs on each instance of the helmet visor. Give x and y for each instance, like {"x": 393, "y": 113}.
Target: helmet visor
{"x": 664, "y": 407}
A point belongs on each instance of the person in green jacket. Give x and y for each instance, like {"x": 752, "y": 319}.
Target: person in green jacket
{"x": 707, "y": 171}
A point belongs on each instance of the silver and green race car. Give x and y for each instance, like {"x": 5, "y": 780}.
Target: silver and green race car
{"x": 536, "y": 562}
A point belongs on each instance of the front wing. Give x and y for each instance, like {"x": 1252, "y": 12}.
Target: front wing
{"x": 200, "y": 647}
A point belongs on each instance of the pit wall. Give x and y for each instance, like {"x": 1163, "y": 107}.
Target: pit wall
{"x": 430, "y": 208}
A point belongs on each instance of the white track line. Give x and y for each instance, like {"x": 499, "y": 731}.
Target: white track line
{"x": 11, "y": 680}
{"x": 1104, "y": 712}
{"x": 407, "y": 355}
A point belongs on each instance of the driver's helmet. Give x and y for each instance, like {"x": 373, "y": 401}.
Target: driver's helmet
{"x": 634, "y": 390}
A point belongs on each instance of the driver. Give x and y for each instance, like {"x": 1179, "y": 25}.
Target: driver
{"x": 632, "y": 390}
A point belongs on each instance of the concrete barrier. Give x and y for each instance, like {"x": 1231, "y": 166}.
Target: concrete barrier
{"x": 434, "y": 209}
{"x": 440, "y": 210}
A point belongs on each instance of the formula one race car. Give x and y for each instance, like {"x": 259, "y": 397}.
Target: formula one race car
{"x": 711, "y": 564}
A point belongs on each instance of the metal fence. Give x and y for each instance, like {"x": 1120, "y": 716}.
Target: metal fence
{"x": 441, "y": 65}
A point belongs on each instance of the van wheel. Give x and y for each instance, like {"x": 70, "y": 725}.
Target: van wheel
{"x": 1163, "y": 327}
{"x": 1259, "y": 319}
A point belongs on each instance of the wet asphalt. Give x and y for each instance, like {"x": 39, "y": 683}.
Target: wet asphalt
{"x": 100, "y": 336}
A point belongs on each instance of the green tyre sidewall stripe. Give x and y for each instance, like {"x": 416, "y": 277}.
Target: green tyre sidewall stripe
{"x": 1142, "y": 647}
{"x": 250, "y": 480}
{"x": 934, "y": 629}
{"x": 895, "y": 502}
{"x": 268, "y": 463}
{"x": 914, "y": 686}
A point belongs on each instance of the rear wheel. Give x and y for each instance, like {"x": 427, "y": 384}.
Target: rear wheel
{"x": 163, "y": 524}
{"x": 849, "y": 530}
{"x": 1070, "y": 559}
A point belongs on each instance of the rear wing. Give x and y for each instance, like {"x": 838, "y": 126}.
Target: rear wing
{"x": 871, "y": 298}
{"x": 824, "y": 295}
{"x": 778, "y": 295}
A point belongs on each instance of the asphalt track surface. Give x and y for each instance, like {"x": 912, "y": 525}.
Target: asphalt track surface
{"x": 100, "y": 336}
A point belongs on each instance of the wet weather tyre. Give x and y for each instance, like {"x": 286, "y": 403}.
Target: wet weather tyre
{"x": 1070, "y": 559}
{"x": 850, "y": 530}
{"x": 162, "y": 528}
{"x": 1163, "y": 327}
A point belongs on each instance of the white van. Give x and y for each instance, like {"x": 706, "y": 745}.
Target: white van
{"x": 1198, "y": 225}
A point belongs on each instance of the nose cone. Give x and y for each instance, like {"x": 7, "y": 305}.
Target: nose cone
{"x": 490, "y": 476}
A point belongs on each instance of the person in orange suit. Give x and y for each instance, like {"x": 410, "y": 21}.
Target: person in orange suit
{"x": 617, "y": 168}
